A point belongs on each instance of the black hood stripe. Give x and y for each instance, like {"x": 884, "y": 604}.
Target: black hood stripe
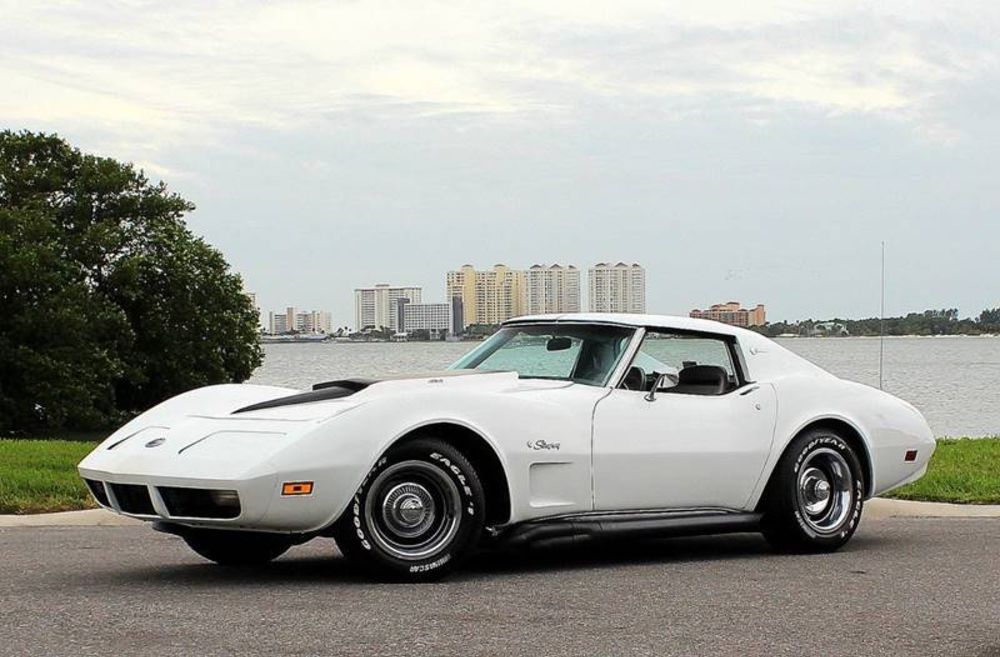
{"x": 320, "y": 392}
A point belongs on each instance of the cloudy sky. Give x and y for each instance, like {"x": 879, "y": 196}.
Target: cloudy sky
{"x": 739, "y": 150}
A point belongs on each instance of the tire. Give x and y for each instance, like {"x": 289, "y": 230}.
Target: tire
{"x": 815, "y": 497}
{"x": 235, "y": 548}
{"x": 417, "y": 515}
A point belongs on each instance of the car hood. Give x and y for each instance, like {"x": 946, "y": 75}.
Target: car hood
{"x": 269, "y": 412}
{"x": 332, "y": 397}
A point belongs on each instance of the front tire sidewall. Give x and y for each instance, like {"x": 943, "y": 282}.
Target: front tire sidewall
{"x": 784, "y": 523}
{"x": 354, "y": 534}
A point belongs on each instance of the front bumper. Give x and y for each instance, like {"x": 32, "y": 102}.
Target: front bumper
{"x": 253, "y": 503}
{"x": 195, "y": 502}
{"x": 223, "y": 473}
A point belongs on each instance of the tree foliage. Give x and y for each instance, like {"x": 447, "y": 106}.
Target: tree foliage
{"x": 929, "y": 322}
{"x": 111, "y": 303}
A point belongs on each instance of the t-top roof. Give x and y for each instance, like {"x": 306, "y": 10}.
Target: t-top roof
{"x": 628, "y": 319}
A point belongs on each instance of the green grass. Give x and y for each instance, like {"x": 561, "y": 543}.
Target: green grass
{"x": 38, "y": 476}
{"x": 962, "y": 471}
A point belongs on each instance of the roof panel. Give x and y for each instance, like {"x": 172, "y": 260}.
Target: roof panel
{"x": 657, "y": 321}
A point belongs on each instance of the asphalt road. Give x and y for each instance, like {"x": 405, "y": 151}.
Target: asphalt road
{"x": 902, "y": 587}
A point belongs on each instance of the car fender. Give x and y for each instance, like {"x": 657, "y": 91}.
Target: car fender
{"x": 340, "y": 452}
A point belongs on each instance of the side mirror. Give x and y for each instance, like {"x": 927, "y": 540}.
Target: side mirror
{"x": 651, "y": 395}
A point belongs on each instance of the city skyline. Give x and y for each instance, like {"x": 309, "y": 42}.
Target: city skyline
{"x": 492, "y": 296}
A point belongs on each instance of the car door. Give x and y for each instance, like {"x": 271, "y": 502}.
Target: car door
{"x": 690, "y": 443}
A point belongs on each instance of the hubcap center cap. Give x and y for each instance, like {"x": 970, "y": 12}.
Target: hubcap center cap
{"x": 408, "y": 510}
{"x": 816, "y": 491}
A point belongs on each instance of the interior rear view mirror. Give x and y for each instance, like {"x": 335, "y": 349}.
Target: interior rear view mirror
{"x": 558, "y": 344}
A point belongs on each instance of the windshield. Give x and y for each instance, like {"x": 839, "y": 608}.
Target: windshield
{"x": 580, "y": 353}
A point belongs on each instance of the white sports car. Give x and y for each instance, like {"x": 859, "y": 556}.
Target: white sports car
{"x": 556, "y": 427}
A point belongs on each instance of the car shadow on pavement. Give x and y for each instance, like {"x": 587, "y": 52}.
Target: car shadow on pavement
{"x": 319, "y": 562}
{"x": 616, "y": 554}
{"x": 588, "y": 554}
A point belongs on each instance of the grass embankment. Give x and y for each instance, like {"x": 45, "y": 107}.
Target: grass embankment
{"x": 962, "y": 471}
{"x": 38, "y": 476}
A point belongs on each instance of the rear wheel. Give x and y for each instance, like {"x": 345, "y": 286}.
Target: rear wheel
{"x": 816, "y": 494}
{"x": 417, "y": 515}
{"x": 229, "y": 548}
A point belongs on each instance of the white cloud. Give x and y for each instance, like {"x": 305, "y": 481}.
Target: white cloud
{"x": 186, "y": 69}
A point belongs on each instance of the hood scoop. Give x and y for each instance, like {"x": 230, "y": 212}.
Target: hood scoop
{"x": 354, "y": 385}
{"x": 320, "y": 392}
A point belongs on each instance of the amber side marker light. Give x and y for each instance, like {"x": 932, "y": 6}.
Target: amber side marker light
{"x": 297, "y": 488}
{"x": 911, "y": 455}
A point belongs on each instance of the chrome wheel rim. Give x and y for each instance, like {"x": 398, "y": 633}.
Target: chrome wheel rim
{"x": 413, "y": 510}
{"x": 825, "y": 490}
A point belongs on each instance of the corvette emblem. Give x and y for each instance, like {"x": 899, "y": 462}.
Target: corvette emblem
{"x": 541, "y": 444}
{"x": 156, "y": 442}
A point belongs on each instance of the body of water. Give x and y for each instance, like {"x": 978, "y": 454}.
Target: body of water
{"x": 952, "y": 380}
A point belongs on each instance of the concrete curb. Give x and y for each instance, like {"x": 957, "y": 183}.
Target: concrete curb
{"x": 89, "y": 518}
{"x": 875, "y": 509}
{"x": 881, "y": 507}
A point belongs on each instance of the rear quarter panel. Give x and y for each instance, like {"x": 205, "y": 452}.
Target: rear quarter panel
{"x": 888, "y": 426}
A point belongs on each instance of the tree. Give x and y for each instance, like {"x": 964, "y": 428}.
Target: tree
{"x": 55, "y": 367}
{"x": 990, "y": 319}
{"x": 111, "y": 303}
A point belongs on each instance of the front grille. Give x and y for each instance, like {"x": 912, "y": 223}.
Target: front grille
{"x": 133, "y": 499}
{"x": 200, "y": 502}
{"x": 97, "y": 490}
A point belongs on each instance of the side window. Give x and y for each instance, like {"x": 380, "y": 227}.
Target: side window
{"x": 691, "y": 364}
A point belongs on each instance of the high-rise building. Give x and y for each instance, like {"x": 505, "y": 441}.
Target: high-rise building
{"x": 400, "y": 311}
{"x": 554, "y": 289}
{"x": 732, "y": 313}
{"x": 282, "y": 322}
{"x": 488, "y": 297}
{"x": 618, "y": 288}
{"x": 277, "y": 323}
{"x": 378, "y": 307}
{"x": 457, "y": 316}
{"x": 313, "y": 321}
{"x": 426, "y": 317}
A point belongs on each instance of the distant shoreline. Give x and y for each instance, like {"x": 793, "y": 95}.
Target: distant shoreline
{"x": 780, "y": 337}
{"x": 887, "y": 337}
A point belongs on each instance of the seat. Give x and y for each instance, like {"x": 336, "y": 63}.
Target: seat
{"x": 635, "y": 379}
{"x": 701, "y": 380}
{"x": 594, "y": 361}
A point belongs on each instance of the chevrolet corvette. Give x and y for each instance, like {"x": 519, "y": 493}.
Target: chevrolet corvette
{"x": 558, "y": 427}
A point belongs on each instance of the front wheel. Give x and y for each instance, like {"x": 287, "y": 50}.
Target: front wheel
{"x": 236, "y": 548}
{"x": 816, "y": 494}
{"x": 417, "y": 515}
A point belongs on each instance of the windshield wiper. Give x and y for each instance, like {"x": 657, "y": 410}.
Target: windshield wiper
{"x": 545, "y": 378}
